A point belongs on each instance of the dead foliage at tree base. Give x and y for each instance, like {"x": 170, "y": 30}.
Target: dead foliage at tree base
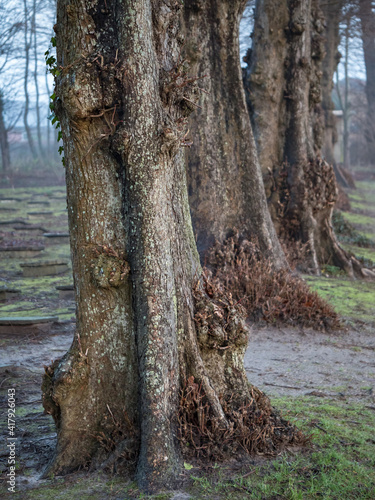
{"x": 255, "y": 427}
{"x": 273, "y": 296}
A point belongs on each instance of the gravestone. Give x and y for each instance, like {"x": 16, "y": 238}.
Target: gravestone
{"x": 26, "y": 325}
{"x": 47, "y": 268}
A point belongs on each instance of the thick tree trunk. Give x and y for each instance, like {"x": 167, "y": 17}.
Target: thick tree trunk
{"x": 332, "y": 16}
{"x": 122, "y": 98}
{"x": 226, "y": 191}
{"x": 4, "y": 144}
{"x": 367, "y": 16}
{"x": 284, "y": 101}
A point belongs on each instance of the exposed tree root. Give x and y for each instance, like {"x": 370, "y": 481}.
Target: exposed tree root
{"x": 255, "y": 427}
{"x": 264, "y": 293}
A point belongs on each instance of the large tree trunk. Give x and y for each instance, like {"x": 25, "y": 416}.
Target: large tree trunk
{"x": 283, "y": 85}
{"x": 4, "y": 144}
{"x": 226, "y": 191}
{"x": 367, "y": 16}
{"x": 122, "y": 97}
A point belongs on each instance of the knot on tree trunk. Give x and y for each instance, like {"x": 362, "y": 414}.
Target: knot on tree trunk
{"x": 109, "y": 268}
{"x": 220, "y": 322}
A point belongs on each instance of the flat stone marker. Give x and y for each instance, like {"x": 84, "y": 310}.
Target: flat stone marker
{"x": 26, "y": 324}
{"x": 34, "y": 229}
{"x": 46, "y": 268}
{"x": 39, "y": 215}
{"x": 21, "y": 252}
{"x": 9, "y": 293}
{"x": 36, "y": 202}
{"x": 66, "y": 292}
{"x": 10, "y": 200}
{"x": 13, "y": 221}
{"x": 57, "y": 238}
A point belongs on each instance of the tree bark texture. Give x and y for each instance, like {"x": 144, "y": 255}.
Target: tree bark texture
{"x": 123, "y": 97}
{"x": 367, "y": 16}
{"x": 226, "y": 191}
{"x": 283, "y": 84}
{"x": 4, "y": 144}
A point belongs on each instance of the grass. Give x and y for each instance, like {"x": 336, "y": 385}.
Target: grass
{"x": 354, "y": 300}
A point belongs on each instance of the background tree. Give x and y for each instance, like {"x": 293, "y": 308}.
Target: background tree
{"x": 284, "y": 93}
{"x": 226, "y": 191}
{"x": 147, "y": 327}
{"x": 332, "y": 14}
{"x": 10, "y": 26}
{"x": 367, "y": 16}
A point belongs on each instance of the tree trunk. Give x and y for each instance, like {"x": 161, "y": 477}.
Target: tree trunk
{"x": 27, "y": 45}
{"x": 36, "y": 82}
{"x": 226, "y": 191}
{"x": 346, "y": 109}
{"x": 283, "y": 83}
{"x": 4, "y": 144}
{"x": 367, "y": 16}
{"x": 332, "y": 15}
{"x": 122, "y": 98}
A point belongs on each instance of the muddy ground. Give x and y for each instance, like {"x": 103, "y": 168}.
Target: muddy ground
{"x": 280, "y": 361}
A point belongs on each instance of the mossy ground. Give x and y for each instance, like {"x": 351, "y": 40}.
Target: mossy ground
{"x": 39, "y": 296}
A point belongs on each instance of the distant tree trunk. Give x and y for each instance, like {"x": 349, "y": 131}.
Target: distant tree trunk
{"x": 332, "y": 15}
{"x": 27, "y": 45}
{"x": 284, "y": 93}
{"x": 367, "y": 16}
{"x": 4, "y": 143}
{"x": 141, "y": 333}
{"x": 226, "y": 191}
{"x": 36, "y": 81}
{"x": 346, "y": 108}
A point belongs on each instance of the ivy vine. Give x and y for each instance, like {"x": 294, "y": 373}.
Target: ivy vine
{"x": 52, "y": 68}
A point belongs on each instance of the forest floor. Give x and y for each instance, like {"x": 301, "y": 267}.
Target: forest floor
{"x": 323, "y": 382}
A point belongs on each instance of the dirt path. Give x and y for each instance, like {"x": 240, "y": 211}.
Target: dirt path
{"x": 296, "y": 362}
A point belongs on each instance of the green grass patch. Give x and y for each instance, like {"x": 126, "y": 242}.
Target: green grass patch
{"x": 351, "y": 299}
{"x": 359, "y": 219}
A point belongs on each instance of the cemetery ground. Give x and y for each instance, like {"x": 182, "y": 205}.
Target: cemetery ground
{"x": 324, "y": 382}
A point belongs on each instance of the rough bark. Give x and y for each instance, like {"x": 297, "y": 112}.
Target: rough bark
{"x": 226, "y": 191}
{"x": 122, "y": 99}
{"x": 284, "y": 101}
{"x": 4, "y": 144}
{"x": 367, "y": 16}
{"x": 332, "y": 16}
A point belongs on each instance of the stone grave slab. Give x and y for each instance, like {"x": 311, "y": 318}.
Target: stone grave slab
{"x": 19, "y": 325}
{"x": 37, "y": 202}
{"x": 39, "y": 215}
{"x": 20, "y": 252}
{"x": 66, "y": 292}
{"x": 46, "y": 268}
{"x": 9, "y": 293}
{"x": 57, "y": 238}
